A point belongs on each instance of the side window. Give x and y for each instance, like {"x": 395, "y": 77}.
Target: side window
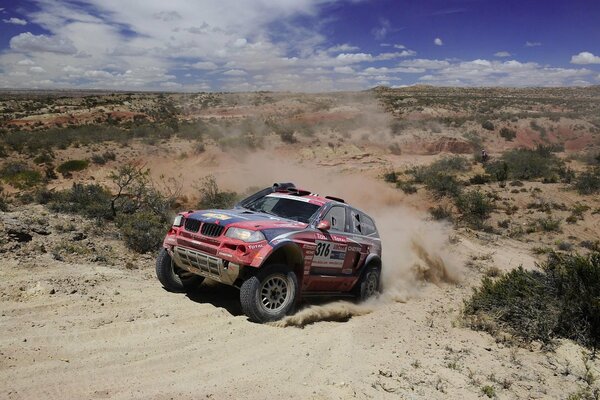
{"x": 368, "y": 226}
{"x": 356, "y": 222}
{"x": 337, "y": 218}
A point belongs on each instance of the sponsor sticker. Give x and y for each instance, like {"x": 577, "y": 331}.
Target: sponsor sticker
{"x": 329, "y": 254}
{"x": 223, "y": 217}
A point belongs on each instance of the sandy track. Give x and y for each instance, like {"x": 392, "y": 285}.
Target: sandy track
{"x": 115, "y": 333}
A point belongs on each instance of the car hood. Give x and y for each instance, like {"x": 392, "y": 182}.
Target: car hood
{"x": 243, "y": 218}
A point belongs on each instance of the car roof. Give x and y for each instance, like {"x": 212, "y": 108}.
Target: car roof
{"x": 303, "y": 195}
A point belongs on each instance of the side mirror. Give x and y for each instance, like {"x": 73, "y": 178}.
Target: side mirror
{"x": 324, "y": 225}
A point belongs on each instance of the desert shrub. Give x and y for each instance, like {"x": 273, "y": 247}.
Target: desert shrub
{"x": 549, "y": 224}
{"x": 3, "y": 201}
{"x": 395, "y": 149}
{"x": 527, "y": 164}
{"x": 438, "y": 177}
{"x": 391, "y": 177}
{"x": 441, "y": 212}
{"x": 475, "y": 207}
{"x": 560, "y": 301}
{"x": 287, "y": 135}
{"x": 508, "y": 134}
{"x": 20, "y": 175}
{"x": 62, "y": 138}
{"x": 103, "y": 158}
{"x": 212, "y": 197}
{"x": 488, "y": 125}
{"x": 406, "y": 187}
{"x": 92, "y": 201}
{"x": 142, "y": 231}
{"x": 249, "y": 141}
{"x": 44, "y": 157}
{"x": 72, "y": 166}
{"x": 588, "y": 182}
{"x": 443, "y": 185}
{"x": 479, "y": 179}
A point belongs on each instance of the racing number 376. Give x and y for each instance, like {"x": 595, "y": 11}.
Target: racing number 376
{"x": 323, "y": 249}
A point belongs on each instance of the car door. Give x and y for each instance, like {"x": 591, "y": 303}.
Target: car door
{"x": 331, "y": 246}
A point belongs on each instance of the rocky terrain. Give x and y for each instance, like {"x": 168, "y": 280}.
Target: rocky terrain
{"x": 84, "y": 316}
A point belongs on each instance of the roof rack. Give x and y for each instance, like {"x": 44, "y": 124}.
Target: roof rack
{"x": 335, "y": 198}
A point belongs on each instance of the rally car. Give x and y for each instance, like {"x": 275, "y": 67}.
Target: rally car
{"x": 276, "y": 246}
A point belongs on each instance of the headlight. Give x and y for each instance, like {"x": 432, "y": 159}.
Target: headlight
{"x": 178, "y": 220}
{"x": 245, "y": 234}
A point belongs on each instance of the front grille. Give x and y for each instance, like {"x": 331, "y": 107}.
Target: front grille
{"x": 212, "y": 230}
{"x": 208, "y": 265}
{"x": 192, "y": 225}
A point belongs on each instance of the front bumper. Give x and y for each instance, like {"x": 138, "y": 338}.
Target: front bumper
{"x": 205, "y": 265}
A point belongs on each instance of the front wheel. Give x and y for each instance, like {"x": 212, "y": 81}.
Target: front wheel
{"x": 270, "y": 294}
{"x": 368, "y": 285}
{"x": 174, "y": 279}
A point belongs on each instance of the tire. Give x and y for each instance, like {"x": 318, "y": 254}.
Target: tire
{"x": 368, "y": 284}
{"x": 270, "y": 294}
{"x": 174, "y": 279}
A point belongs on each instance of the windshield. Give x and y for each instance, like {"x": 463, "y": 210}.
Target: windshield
{"x": 297, "y": 210}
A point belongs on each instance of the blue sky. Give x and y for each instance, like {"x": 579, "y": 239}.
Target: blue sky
{"x": 297, "y": 45}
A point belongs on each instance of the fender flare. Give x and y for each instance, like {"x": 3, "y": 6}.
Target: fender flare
{"x": 370, "y": 260}
{"x": 266, "y": 252}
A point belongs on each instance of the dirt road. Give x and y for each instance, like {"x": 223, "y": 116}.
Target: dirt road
{"x": 88, "y": 331}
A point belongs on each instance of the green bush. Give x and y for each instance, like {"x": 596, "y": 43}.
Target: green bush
{"x": 406, "y": 187}
{"x": 526, "y": 164}
{"x": 443, "y": 185}
{"x": 212, "y": 197}
{"x": 391, "y": 177}
{"x": 92, "y": 201}
{"x": 103, "y": 158}
{"x": 475, "y": 207}
{"x": 72, "y": 166}
{"x": 142, "y": 231}
{"x": 560, "y": 301}
{"x": 488, "y": 125}
{"x": 441, "y": 212}
{"x": 19, "y": 175}
{"x": 588, "y": 182}
{"x": 508, "y": 134}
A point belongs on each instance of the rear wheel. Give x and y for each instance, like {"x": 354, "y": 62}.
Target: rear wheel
{"x": 270, "y": 294}
{"x": 173, "y": 278}
{"x": 368, "y": 285}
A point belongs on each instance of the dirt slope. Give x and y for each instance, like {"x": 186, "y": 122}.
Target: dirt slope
{"x": 77, "y": 329}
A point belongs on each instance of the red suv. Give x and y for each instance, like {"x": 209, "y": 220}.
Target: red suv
{"x": 276, "y": 246}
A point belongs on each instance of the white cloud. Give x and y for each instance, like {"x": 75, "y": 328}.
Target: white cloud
{"x": 425, "y": 63}
{"x": 532, "y": 44}
{"x": 235, "y": 72}
{"x": 399, "y": 46}
{"x": 37, "y": 70}
{"x": 15, "y": 21}
{"x": 585, "y": 57}
{"x": 28, "y": 42}
{"x": 382, "y": 29}
{"x": 340, "y": 48}
{"x": 343, "y": 70}
{"x": 25, "y": 62}
{"x": 508, "y": 73}
{"x": 438, "y": 42}
{"x": 206, "y": 65}
{"x": 502, "y": 54}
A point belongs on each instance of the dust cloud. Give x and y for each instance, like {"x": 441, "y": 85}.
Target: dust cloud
{"x": 415, "y": 250}
{"x": 415, "y": 253}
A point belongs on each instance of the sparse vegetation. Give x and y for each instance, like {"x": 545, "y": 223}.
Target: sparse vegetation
{"x": 72, "y": 166}
{"x": 20, "y": 175}
{"x": 475, "y": 207}
{"x": 559, "y": 301}
{"x": 508, "y": 134}
{"x": 488, "y": 125}
{"x": 212, "y": 197}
